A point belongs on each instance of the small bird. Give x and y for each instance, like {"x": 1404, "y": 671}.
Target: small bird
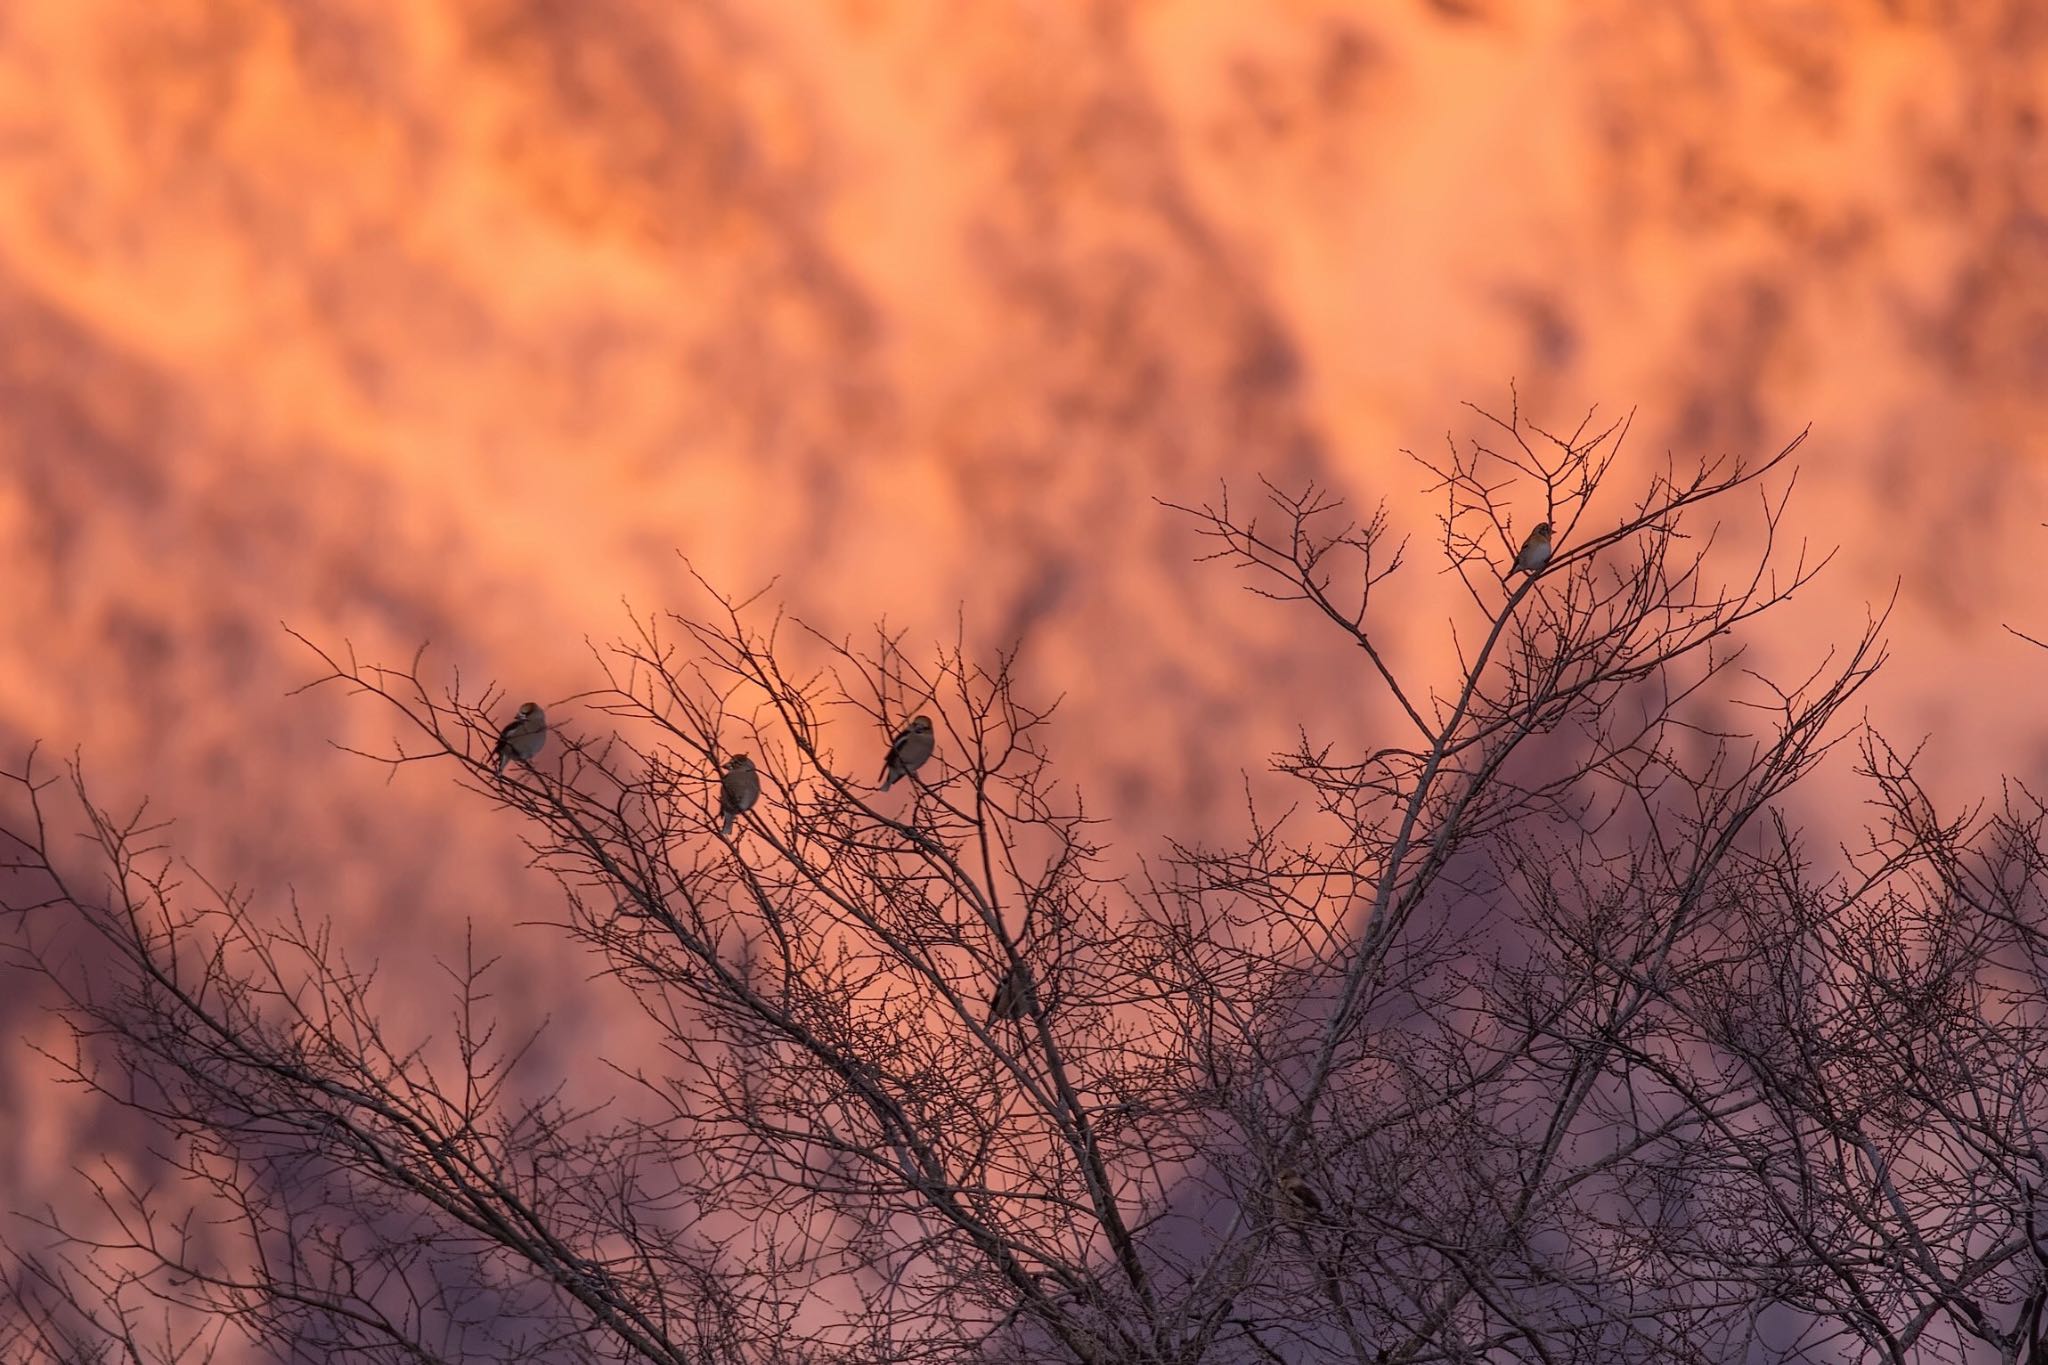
{"x": 1294, "y": 1199}
{"x": 1010, "y": 995}
{"x": 1535, "y": 551}
{"x": 522, "y": 736}
{"x": 738, "y": 790}
{"x": 908, "y": 751}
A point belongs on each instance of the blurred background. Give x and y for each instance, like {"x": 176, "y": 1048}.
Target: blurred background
{"x": 460, "y": 322}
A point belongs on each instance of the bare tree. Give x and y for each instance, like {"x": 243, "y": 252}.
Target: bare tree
{"x": 1538, "y": 1033}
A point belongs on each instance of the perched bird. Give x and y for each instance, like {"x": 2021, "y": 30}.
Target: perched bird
{"x": 908, "y": 751}
{"x": 1535, "y": 551}
{"x": 522, "y": 736}
{"x": 1010, "y": 995}
{"x": 738, "y": 789}
{"x": 1294, "y": 1199}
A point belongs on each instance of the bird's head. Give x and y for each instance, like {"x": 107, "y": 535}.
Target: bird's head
{"x": 740, "y": 763}
{"x": 529, "y": 710}
{"x": 921, "y": 724}
{"x": 1542, "y": 531}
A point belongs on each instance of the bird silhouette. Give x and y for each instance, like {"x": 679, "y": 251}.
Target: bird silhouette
{"x": 738, "y": 789}
{"x": 908, "y": 751}
{"x": 1535, "y": 551}
{"x": 522, "y": 736}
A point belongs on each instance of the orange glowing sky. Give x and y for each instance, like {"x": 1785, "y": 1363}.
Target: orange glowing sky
{"x": 457, "y": 321}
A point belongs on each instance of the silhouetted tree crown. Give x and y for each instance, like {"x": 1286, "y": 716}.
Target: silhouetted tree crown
{"x": 1537, "y": 1032}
